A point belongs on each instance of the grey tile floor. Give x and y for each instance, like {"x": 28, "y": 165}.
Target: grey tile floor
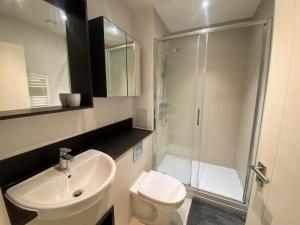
{"x": 202, "y": 213}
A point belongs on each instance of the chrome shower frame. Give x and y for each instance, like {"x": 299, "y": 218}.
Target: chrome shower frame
{"x": 239, "y": 206}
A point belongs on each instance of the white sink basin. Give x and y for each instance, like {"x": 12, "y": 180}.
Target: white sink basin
{"x": 52, "y": 194}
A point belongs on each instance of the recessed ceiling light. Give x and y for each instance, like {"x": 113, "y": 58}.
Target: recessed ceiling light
{"x": 63, "y": 16}
{"x": 205, "y": 3}
{"x": 113, "y": 30}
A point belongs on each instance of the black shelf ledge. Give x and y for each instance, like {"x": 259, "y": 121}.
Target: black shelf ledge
{"x": 115, "y": 140}
{"x": 12, "y": 114}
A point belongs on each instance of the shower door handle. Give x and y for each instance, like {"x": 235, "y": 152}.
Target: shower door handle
{"x": 198, "y": 117}
{"x": 260, "y": 171}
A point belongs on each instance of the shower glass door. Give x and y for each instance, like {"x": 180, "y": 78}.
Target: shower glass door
{"x": 208, "y": 106}
{"x": 227, "y": 101}
{"x": 176, "y": 77}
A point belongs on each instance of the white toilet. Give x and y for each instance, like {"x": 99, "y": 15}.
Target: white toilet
{"x": 156, "y": 197}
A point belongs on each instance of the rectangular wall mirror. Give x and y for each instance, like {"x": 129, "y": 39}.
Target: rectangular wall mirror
{"x": 35, "y": 54}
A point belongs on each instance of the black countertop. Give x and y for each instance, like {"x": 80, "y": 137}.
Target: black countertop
{"x": 115, "y": 140}
{"x": 120, "y": 143}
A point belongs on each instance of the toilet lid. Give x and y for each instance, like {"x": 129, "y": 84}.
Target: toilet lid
{"x": 162, "y": 188}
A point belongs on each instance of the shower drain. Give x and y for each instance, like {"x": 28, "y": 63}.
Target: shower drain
{"x": 77, "y": 193}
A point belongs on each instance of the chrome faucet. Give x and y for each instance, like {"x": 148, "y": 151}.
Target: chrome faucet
{"x": 64, "y": 159}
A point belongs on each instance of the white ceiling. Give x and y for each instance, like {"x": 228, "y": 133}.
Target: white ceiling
{"x": 113, "y": 35}
{"x": 180, "y": 15}
{"x": 35, "y": 12}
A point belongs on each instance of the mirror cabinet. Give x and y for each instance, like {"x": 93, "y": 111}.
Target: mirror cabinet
{"x": 115, "y": 60}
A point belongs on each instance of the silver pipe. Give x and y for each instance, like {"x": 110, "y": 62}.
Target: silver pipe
{"x": 215, "y": 29}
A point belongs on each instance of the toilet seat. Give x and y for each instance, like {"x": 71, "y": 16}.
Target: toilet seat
{"x": 162, "y": 189}
{"x": 156, "y": 197}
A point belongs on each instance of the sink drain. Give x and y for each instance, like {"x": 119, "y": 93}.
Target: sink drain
{"x": 77, "y": 193}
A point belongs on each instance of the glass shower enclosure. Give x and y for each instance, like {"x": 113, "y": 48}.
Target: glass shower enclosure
{"x": 210, "y": 87}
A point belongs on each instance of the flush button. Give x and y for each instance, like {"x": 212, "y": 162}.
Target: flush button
{"x": 137, "y": 151}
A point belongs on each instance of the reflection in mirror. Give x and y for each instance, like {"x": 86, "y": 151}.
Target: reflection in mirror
{"x": 33, "y": 55}
{"x": 115, "y": 51}
{"x": 133, "y": 66}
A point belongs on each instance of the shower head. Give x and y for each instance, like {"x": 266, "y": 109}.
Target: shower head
{"x": 165, "y": 62}
{"x": 172, "y": 51}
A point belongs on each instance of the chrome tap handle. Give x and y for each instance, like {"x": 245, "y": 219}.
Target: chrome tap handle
{"x": 64, "y": 151}
{"x": 64, "y": 159}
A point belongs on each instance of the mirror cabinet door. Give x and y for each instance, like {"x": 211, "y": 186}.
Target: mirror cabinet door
{"x": 133, "y": 67}
{"x": 115, "y": 60}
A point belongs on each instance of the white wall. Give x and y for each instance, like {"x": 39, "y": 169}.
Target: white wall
{"x": 32, "y": 132}
{"x": 13, "y": 86}
{"x": 146, "y": 26}
{"x": 113, "y": 10}
{"x": 223, "y": 79}
{"x": 278, "y": 202}
{"x": 36, "y": 131}
{"x": 265, "y": 10}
